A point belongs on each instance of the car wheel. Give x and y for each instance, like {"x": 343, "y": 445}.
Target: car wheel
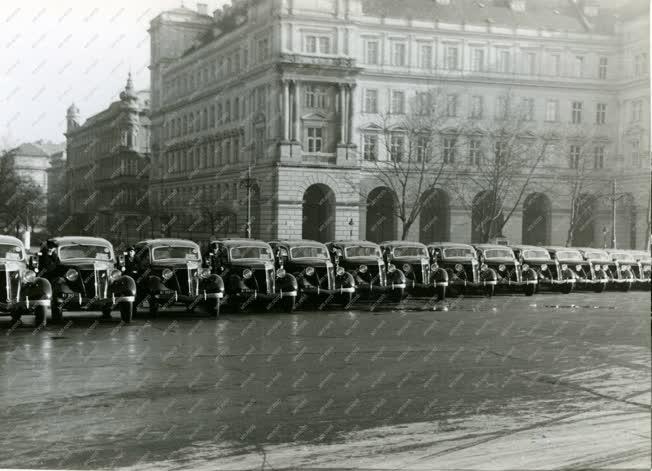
{"x": 126, "y": 311}
{"x": 213, "y": 306}
{"x": 57, "y": 312}
{"x": 566, "y": 288}
{"x": 15, "y": 318}
{"x": 153, "y": 307}
{"x": 628, "y": 284}
{"x": 41, "y": 315}
{"x": 441, "y": 293}
{"x": 530, "y": 290}
{"x": 489, "y": 290}
{"x": 346, "y": 300}
{"x": 289, "y": 304}
{"x": 106, "y": 312}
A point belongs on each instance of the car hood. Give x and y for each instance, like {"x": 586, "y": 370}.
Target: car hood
{"x": 87, "y": 264}
{"x": 306, "y": 262}
{"x": 251, "y": 263}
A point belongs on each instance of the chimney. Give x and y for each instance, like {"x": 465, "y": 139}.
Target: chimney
{"x": 202, "y": 8}
{"x": 517, "y": 5}
{"x": 591, "y": 8}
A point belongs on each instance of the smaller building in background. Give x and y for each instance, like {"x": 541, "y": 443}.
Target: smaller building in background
{"x": 32, "y": 160}
{"x": 107, "y": 170}
{"x": 57, "y": 200}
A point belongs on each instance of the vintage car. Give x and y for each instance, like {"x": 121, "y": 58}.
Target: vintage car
{"x": 84, "y": 276}
{"x": 414, "y": 261}
{"x": 22, "y": 292}
{"x": 585, "y": 276}
{"x": 549, "y": 274}
{"x": 644, "y": 260}
{"x": 364, "y": 261}
{"x": 460, "y": 263}
{"x": 603, "y": 267}
{"x": 250, "y": 275}
{"x": 317, "y": 277}
{"x": 170, "y": 272}
{"x": 510, "y": 273}
{"x": 627, "y": 268}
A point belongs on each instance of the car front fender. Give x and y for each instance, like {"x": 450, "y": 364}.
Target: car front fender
{"x": 529, "y": 274}
{"x": 287, "y": 283}
{"x": 345, "y": 280}
{"x": 488, "y": 275}
{"x": 123, "y": 286}
{"x": 155, "y": 283}
{"x": 440, "y": 275}
{"x": 396, "y": 277}
{"x": 39, "y": 289}
{"x": 213, "y": 284}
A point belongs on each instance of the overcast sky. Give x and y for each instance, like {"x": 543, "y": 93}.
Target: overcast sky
{"x": 54, "y": 53}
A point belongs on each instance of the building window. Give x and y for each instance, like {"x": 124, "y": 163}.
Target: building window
{"x": 501, "y": 107}
{"x": 426, "y": 56}
{"x": 398, "y": 54}
{"x": 397, "y": 143}
{"x": 636, "y": 110}
{"x": 263, "y": 49}
{"x": 601, "y": 113}
{"x": 372, "y": 52}
{"x": 398, "y": 102}
{"x": 640, "y": 64}
{"x": 598, "y": 157}
{"x": 602, "y": 69}
{"x": 423, "y": 103}
{"x": 530, "y": 63}
{"x": 552, "y": 110}
{"x": 578, "y": 66}
{"x": 370, "y": 147}
{"x": 259, "y": 142}
{"x": 451, "y": 58}
{"x": 475, "y": 152}
{"x": 449, "y": 150}
{"x": 451, "y": 106}
{"x": 577, "y": 112}
{"x": 423, "y": 143}
{"x": 636, "y": 153}
{"x": 316, "y": 97}
{"x": 503, "y": 61}
{"x": 574, "y": 156}
{"x": 476, "y": 106}
{"x": 315, "y": 139}
{"x": 318, "y": 44}
{"x": 477, "y": 65}
{"x": 528, "y": 109}
{"x": 371, "y": 101}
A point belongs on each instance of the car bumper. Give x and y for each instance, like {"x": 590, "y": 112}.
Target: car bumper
{"x": 317, "y": 291}
{"x": 174, "y": 297}
{"x": 24, "y": 305}
{"x": 256, "y": 295}
{"x": 380, "y": 288}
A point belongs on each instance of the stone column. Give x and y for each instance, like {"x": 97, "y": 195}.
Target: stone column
{"x": 342, "y": 92}
{"x": 297, "y": 110}
{"x": 350, "y": 115}
{"x": 286, "y": 110}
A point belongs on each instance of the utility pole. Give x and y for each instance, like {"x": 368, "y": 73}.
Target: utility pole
{"x": 613, "y": 213}
{"x": 248, "y": 184}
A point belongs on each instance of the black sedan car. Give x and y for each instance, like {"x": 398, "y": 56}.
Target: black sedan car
{"x": 413, "y": 260}
{"x": 250, "y": 275}
{"x": 170, "y": 273}
{"x": 627, "y": 268}
{"x": 317, "y": 277}
{"x": 645, "y": 268}
{"x": 465, "y": 274}
{"x": 549, "y": 274}
{"x": 84, "y": 276}
{"x": 603, "y": 268}
{"x": 585, "y": 276}
{"x": 364, "y": 261}
{"x": 511, "y": 274}
{"x": 22, "y": 292}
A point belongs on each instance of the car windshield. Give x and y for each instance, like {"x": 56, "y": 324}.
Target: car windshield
{"x": 97, "y": 252}
{"x": 498, "y": 253}
{"x": 569, "y": 255}
{"x": 10, "y": 252}
{"x": 597, "y": 256}
{"x": 534, "y": 253}
{"x": 410, "y": 252}
{"x": 645, "y": 258}
{"x": 362, "y": 251}
{"x": 623, "y": 257}
{"x": 309, "y": 252}
{"x": 459, "y": 252}
{"x": 173, "y": 252}
{"x": 259, "y": 253}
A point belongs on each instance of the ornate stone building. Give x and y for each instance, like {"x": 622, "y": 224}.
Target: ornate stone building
{"x": 107, "y": 170}
{"x": 291, "y": 92}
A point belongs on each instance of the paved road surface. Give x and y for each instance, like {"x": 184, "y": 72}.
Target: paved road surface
{"x": 512, "y": 382}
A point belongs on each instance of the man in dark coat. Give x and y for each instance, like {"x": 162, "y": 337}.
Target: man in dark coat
{"x": 48, "y": 260}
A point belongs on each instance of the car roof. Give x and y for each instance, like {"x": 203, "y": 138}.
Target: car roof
{"x": 405, "y": 243}
{"x": 167, "y": 242}
{"x": 589, "y": 249}
{"x": 353, "y": 242}
{"x": 5, "y": 239}
{"x": 80, "y": 240}
{"x": 298, "y": 242}
{"x": 555, "y": 248}
{"x": 491, "y": 246}
{"x": 526, "y": 247}
{"x": 231, "y": 242}
{"x": 450, "y": 245}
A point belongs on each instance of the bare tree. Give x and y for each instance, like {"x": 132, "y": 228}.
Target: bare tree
{"x": 505, "y": 154}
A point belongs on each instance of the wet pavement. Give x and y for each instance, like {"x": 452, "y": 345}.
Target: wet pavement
{"x": 510, "y": 382}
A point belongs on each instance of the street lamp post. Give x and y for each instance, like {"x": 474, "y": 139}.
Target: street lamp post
{"x": 248, "y": 184}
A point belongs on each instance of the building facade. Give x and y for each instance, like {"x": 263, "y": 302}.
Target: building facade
{"x": 107, "y": 170}
{"x": 283, "y": 100}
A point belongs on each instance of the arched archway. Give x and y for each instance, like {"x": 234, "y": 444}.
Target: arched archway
{"x": 537, "y": 210}
{"x": 319, "y": 213}
{"x": 584, "y": 226}
{"x": 381, "y": 215}
{"x": 486, "y": 217}
{"x": 434, "y": 220}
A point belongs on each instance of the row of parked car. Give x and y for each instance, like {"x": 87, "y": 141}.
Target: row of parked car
{"x": 85, "y": 273}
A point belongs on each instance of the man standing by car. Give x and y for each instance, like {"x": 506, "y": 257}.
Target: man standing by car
{"x": 48, "y": 259}
{"x": 131, "y": 264}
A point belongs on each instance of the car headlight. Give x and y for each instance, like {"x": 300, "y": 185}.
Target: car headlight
{"x": 310, "y": 271}
{"x": 459, "y": 267}
{"x": 72, "y": 275}
{"x": 597, "y": 267}
{"x": 246, "y": 274}
{"x": 280, "y": 273}
{"x": 391, "y": 268}
{"x": 167, "y": 274}
{"x": 484, "y": 267}
{"x": 501, "y": 267}
{"x": 29, "y": 276}
{"x": 578, "y": 267}
{"x": 525, "y": 267}
{"x": 544, "y": 267}
{"x": 434, "y": 267}
{"x": 564, "y": 267}
{"x": 406, "y": 267}
{"x": 114, "y": 275}
{"x": 362, "y": 268}
{"x": 340, "y": 271}
{"x": 203, "y": 273}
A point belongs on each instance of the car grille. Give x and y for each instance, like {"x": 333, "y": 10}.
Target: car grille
{"x": 585, "y": 272}
{"x": 263, "y": 280}
{"x": 324, "y": 277}
{"x": 375, "y": 275}
{"x": 510, "y": 273}
{"x": 611, "y": 271}
{"x": 93, "y": 283}
{"x": 9, "y": 285}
